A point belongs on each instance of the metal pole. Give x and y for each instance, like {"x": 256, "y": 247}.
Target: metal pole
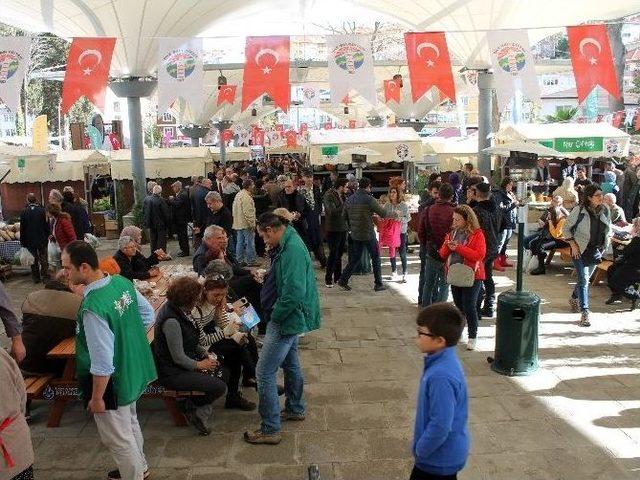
{"x": 520, "y": 268}
{"x": 137, "y": 149}
{"x": 223, "y": 152}
{"x": 485, "y": 87}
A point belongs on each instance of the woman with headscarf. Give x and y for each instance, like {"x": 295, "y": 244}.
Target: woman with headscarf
{"x": 624, "y": 274}
{"x": 568, "y": 193}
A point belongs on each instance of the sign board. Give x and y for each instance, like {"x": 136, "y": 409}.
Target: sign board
{"x": 588, "y": 144}
{"x": 330, "y": 150}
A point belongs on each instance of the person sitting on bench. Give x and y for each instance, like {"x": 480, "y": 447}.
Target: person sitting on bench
{"x": 550, "y": 237}
{"x": 624, "y": 274}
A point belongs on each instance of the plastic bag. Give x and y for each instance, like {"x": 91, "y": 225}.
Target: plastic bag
{"x": 53, "y": 253}
{"x": 533, "y": 264}
{"x": 26, "y": 259}
{"x": 92, "y": 240}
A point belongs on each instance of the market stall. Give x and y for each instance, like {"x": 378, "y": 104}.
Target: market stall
{"x": 450, "y": 154}
{"x": 234, "y": 154}
{"x": 382, "y": 152}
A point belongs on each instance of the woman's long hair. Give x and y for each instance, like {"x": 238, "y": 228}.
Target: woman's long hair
{"x": 466, "y": 212}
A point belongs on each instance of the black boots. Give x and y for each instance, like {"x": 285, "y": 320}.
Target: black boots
{"x": 488, "y": 309}
{"x": 540, "y": 270}
{"x": 35, "y": 274}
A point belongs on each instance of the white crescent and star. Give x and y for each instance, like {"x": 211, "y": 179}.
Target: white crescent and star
{"x": 586, "y": 41}
{"x": 90, "y": 53}
{"x": 431, "y": 46}
{"x": 267, "y": 51}
{"x": 391, "y": 84}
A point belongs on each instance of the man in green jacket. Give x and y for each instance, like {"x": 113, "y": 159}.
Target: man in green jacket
{"x": 291, "y": 307}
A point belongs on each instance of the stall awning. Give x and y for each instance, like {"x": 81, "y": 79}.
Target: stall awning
{"x": 451, "y": 152}
{"x": 181, "y": 162}
{"x": 571, "y": 139}
{"x": 29, "y": 166}
{"x": 234, "y": 154}
{"x": 400, "y": 144}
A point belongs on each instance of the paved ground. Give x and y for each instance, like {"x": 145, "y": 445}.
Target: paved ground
{"x": 577, "y": 418}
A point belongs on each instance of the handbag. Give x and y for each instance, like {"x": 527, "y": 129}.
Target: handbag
{"x": 461, "y": 275}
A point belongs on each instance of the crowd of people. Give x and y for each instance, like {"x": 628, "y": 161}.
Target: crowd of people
{"x": 277, "y": 215}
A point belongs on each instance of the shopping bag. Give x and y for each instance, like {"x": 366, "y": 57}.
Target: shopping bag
{"x": 249, "y": 317}
{"x": 533, "y": 263}
{"x": 53, "y": 253}
{"x": 26, "y": 259}
{"x": 91, "y": 240}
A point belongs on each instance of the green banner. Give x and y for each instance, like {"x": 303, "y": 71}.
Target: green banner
{"x": 587, "y": 144}
{"x": 330, "y": 150}
{"x": 547, "y": 143}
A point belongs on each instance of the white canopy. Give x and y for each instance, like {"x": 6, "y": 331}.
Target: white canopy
{"x": 234, "y": 154}
{"x": 451, "y": 153}
{"x": 572, "y": 140}
{"x": 180, "y": 162}
{"x": 29, "y": 166}
{"x": 392, "y": 144}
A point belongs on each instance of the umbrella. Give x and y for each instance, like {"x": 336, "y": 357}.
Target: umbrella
{"x": 505, "y": 149}
{"x": 360, "y": 150}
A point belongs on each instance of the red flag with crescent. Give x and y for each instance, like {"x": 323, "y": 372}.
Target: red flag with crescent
{"x": 391, "y": 91}
{"x": 87, "y": 71}
{"x": 227, "y": 135}
{"x": 352, "y": 124}
{"x": 429, "y": 64}
{"x": 292, "y": 138}
{"x": 592, "y": 60}
{"x": 266, "y": 70}
{"x": 258, "y": 137}
{"x": 227, "y": 93}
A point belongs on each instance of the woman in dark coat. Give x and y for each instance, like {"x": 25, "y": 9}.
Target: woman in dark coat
{"x": 624, "y": 274}
{"x": 506, "y": 200}
{"x": 130, "y": 267}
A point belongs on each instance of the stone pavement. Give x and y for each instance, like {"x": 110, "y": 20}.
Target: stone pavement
{"x": 578, "y": 417}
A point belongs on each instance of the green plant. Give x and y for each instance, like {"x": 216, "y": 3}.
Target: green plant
{"x": 564, "y": 115}
{"x": 138, "y": 215}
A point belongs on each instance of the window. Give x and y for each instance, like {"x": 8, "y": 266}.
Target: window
{"x": 116, "y": 107}
{"x": 8, "y": 117}
{"x": 550, "y": 81}
{"x": 167, "y": 132}
{"x": 167, "y": 117}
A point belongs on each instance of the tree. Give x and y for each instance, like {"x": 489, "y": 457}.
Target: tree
{"x": 562, "y": 47}
{"x": 387, "y": 40}
{"x": 563, "y": 115}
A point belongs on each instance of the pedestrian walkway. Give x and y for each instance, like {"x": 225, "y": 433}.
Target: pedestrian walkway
{"x": 577, "y": 418}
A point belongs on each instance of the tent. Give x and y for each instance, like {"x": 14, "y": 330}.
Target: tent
{"x": 385, "y": 145}
{"x": 29, "y": 166}
{"x": 182, "y": 162}
{"x": 451, "y": 153}
{"x": 571, "y": 139}
{"x": 234, "y": 154}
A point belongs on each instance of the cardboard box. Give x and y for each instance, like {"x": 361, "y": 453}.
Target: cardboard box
{"x": 111, "y": 228}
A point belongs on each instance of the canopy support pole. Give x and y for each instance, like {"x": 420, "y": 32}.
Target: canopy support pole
{"x": 222, "y": 125}
{"x": 194, "y": 132}
{"x": 485, "y": 108}
{"x": 133, "y": 89}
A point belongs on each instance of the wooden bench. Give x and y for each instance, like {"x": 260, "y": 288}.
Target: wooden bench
{"x": 36, "y": 385}
{"x": 170, "y": 399}
{"x": 600, "y": 272}
{"x": 565, "y": 254}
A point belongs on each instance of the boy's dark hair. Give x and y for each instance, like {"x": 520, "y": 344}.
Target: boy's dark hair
{"x": 341, "y": 182}
{"x": 81, "y": 252}
{"x": 435, "y": 184}
{"x": 443, "y": 320}
{"x": 270, "y": 220}
{"x": 364, "y": 182}
{"x": 446, "y": 191}
{"x": 483, "y": 190}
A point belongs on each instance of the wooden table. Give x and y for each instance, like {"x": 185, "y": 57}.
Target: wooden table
{"x": 65, "y": 389}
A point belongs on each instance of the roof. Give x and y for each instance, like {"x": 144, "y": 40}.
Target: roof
{"x": 363, "y": 135}
{"x": 163, "y": 153}
{"x": 543, "y": 131}
{"x": 568, "y": 93}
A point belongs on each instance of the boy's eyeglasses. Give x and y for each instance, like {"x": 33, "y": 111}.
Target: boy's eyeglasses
{"x": 425, "y": 334}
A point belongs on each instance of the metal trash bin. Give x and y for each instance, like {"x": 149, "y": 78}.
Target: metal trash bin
{"x": 516, "y": 351}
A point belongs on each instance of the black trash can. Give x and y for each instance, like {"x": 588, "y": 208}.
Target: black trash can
{"x": 517, "y": 333}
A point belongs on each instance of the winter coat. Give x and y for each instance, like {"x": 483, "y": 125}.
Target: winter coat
{"x": 199, "y": 208}
{"x": 34, "y": 229}
{"x": 435, "y": 222}
{"x": 359, "y": 210}
{"x": 488, "y": 214}
{"x": 244, "y": 211}
{"x": 472, "y": 252}
{"x": 79, "y": 218}
{"x": 158, "y": 214}
{"x": 508, "y": 206}
{"x": 63, "y": 231}
{"x": 181, "y": 208}
{"x": 334, "y": 211}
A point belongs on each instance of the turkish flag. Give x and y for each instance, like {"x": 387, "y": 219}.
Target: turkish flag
{"x": 227, "y": 135}
{"x": 227, "y": 93}
{"x": 617, "y": 119}
{"x": 266, "y": 70}
{"x": 292, "y": 138}
{"x": 258, "y": 137}
{"x": 352, "y": 124}
{"x": 391, "y": 91}
{"x": 328, "y": 126}
{"x": 592, "y": 60}
{"x": 87, "y": 71}
{"x": 429, "y": 64}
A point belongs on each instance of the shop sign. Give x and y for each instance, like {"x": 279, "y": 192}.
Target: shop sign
{"x": 586, "y": 144}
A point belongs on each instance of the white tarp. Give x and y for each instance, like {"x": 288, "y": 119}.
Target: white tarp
{"x": 451, "y": 153}
{"x": 28, "y": 166}
{"x": 400, "y": 144}
{"x": 182, "y": 162}
{"x": 234, "y": 154}
{"x": 571, "y": 139}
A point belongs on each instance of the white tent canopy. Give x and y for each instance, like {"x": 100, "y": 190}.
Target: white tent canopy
{"x": 451, "y": 153}
{"x": 233, "y": 154}
{"x": 181, "y": 162}
{"x": 62, "y": 166}
{"x": 572, "y": 140}
{"x": 392, "y": 144}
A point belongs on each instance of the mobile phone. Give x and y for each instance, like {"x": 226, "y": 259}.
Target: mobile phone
{"x": 241, "y": 303}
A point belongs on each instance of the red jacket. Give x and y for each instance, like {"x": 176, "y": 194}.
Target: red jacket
{"x": 473, "y": 252}
{"x": 63, "y": 232}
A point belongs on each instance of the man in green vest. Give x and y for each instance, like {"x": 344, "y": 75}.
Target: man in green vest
{"x": 291, "y": 307}
{"x": 113, "y": 358}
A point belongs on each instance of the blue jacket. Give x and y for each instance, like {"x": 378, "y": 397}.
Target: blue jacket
{"x": 441, "y": 436}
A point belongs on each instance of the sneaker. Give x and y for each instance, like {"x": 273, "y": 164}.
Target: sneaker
{"x": 471, "y": 344}
{"x": 487, "y": 312}
{"x": 394, "y": 277}
{"x": 584, "y": 319}
{"x": 379, "y": 288}
{"x": 573, "y": 303}
{"x": 614, "y": 298}
{"x": 404, "y": 278}
{"x": 257, "y": 437}
{"x": 344, "y": 286}
{"x": 291, "y": 417}
{"x": 329, "y": 285}
{"x": 239, "y": 403}
{"x": 115, "y": 474}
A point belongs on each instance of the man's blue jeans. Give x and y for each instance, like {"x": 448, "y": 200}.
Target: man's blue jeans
{"x": 581, "y": 290}
{"x": 245, "y": 243}
{"x": 278, "y": 351}
{"x": 435, "y": 287}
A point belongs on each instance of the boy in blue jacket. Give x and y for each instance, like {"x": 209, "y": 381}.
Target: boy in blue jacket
{"x": 441, "y": 437}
